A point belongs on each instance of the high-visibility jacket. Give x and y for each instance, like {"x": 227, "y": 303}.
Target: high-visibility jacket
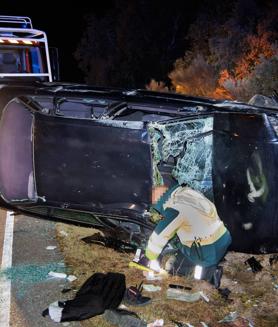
{"x": 194, "y": 219}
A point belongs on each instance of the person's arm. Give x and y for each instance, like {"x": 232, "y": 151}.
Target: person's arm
{"x": 162, "y": 233}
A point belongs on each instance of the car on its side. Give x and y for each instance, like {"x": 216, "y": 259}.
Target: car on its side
{"x": 92, "y": 155}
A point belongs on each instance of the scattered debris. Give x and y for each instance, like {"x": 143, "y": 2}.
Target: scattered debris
{"x": 110, "y": 242}
{"x": 182, "y": 324}
{"x": 57, "y": 274}
{"x": 178, "y": 323}
{"x": 273, "y": 259}
{"x": 180, "y": 287}
{"x": 203, "y": 324}
{"x": 27, "y": 275}
{"x": 203, "y": 296}
{"x": 71, "y": 278}
{"x": 244, "y": 286}
{"x": 51, "y": 247}
{"x": 254, "y": 264}
{"x": 63, "y": 233}
{"x": 66, "y": 290}
{"x": 232, "y": 316}
{"x": 122, "y": 306}
{"x": 151, "y": 288}
{"x": 224, "y": 292}
{"x": 180, "y": 295}
{"x": 150, "y": 275}
{"x": 157, "y": 323}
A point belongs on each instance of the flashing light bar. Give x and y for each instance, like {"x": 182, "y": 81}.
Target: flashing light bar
{"x": 14, "y": 41}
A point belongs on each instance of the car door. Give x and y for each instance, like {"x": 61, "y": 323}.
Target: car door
{"x": 92, "y": 165}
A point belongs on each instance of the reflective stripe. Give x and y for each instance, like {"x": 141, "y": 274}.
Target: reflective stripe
{"x": 155, "y": 248}
{"x": 155, "y": 245}
{"x": 150, "y": 255}
{"x": 210, "y": 239}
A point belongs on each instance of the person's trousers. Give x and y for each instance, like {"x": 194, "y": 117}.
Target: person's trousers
{"x": 208, "y": 257}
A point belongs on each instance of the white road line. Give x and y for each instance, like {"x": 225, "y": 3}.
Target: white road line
{"x": 5, "y": 284}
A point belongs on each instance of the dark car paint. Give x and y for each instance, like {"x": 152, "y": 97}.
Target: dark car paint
{"x": 241, "y": 133}
{"x": 237, "y": 148}
{"x": 94, "y": 165}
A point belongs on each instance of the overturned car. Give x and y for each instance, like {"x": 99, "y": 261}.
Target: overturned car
{"x": 92, "y": 156}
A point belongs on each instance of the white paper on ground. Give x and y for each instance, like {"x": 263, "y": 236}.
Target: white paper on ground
{"x": 51, "y": 247}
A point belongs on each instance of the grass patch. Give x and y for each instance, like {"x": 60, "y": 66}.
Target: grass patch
{"x": 252, "y": 296}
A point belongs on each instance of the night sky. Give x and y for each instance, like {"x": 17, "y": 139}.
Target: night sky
{"x": 131, "y": 40}
{"x": 64, "y": 26}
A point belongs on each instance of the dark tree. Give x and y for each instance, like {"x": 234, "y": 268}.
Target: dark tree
{"x": 133, "y": 42}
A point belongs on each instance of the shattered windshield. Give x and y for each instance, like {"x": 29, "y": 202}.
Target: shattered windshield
{"x": 185, "y": 146}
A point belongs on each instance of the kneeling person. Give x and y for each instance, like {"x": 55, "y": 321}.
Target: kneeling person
{"x": 203, "y": 237}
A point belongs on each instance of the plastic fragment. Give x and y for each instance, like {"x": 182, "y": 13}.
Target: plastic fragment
{"x": 71, "y": 278}
{"x": 181, "y": 287}
{"x": 157, "y": 323}
{"x": 232, "y": 316}
{"x": 123, "y": 307}
{"x": 203, "y": 296}
{"x": 57, "y": 274}
{"x": 51, "y": 247}
{"x": 151, "y": 276}
{"x": 180, "y": 295}
{"x": 203, "y": 324}
{"x": 151, "y": 288}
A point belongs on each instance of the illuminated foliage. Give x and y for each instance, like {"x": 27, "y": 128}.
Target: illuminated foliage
{"x": 233, "y": 58}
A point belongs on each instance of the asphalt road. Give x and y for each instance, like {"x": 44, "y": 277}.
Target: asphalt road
{"x": 32, "y": 290}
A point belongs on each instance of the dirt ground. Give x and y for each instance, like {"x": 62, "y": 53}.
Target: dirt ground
{"x": 254, "y": 296}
